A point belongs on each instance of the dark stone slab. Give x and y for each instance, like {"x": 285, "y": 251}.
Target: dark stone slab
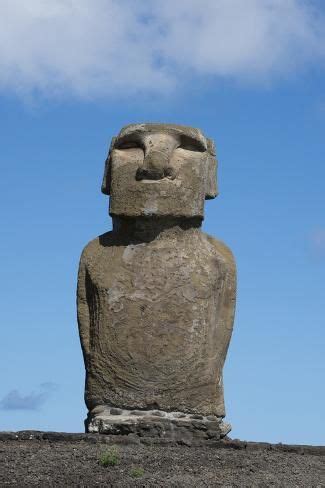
{"x": 182, "y": 439}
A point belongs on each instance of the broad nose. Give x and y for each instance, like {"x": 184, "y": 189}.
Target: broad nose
{"x": 158, "y": 150}
{"x": 155, "y": 166}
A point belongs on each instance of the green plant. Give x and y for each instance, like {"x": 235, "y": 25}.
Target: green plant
{"x": 137, "y": 472}
{"x": 111, "y": 457}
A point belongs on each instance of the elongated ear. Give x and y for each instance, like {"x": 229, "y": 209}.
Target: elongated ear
{"x": 211, "y": 188}
{"x": 106, "y": 184}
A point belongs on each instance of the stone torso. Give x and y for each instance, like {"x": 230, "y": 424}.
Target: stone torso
{"x": 156, "y": 296}
{"x": 160, "y": 316}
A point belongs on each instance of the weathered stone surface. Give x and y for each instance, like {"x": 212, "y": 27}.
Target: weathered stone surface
{"x": 156, "y": 296}
{"x": 115, "y": 411}
{"x": 153, "y": 423}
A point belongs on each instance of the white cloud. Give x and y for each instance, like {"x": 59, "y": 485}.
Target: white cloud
{"x": 91, "y": 48}
{"x": 33, "y": 401}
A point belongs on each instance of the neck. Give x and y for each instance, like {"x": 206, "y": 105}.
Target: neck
{"x": 145, "y": 229}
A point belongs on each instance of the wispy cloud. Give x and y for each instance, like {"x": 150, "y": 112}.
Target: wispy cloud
{"x": 91, "y": 48}
{"x": 33, "y": 401}
{"x": 317, "y": 240}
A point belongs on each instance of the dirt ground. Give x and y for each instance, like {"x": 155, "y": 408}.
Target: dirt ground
{"x": 67, "y": 460}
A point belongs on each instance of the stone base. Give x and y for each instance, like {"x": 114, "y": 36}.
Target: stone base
{"x": 177, "y": 426}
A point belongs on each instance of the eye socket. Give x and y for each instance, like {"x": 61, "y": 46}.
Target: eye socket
{"x": 191, "y": 147}
{"x": 189, "y": 144}
{"x": 128, "y": 145}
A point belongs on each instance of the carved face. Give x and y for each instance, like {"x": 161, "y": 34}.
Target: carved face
{"x": 160, "y": 170}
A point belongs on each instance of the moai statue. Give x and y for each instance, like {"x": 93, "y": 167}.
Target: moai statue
{"x": 156, "y": 295}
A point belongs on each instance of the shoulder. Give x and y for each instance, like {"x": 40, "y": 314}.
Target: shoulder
{"x": 221, "y": 250}
{"x": 94, "y": 247}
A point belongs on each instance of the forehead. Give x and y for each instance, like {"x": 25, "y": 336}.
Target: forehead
{"x": 140, "y": 131}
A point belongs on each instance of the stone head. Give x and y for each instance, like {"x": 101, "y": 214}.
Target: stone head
{"x": 160, "y": 170}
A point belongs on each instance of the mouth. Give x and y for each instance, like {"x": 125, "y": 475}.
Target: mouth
{"x": 144, "y": 174}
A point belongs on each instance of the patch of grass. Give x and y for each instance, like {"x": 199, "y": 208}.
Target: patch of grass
{"x": 137, "y": 472}
{"x": 110, "y": 457}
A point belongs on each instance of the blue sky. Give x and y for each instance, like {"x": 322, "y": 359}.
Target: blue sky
{"x": 71, "y": 75}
